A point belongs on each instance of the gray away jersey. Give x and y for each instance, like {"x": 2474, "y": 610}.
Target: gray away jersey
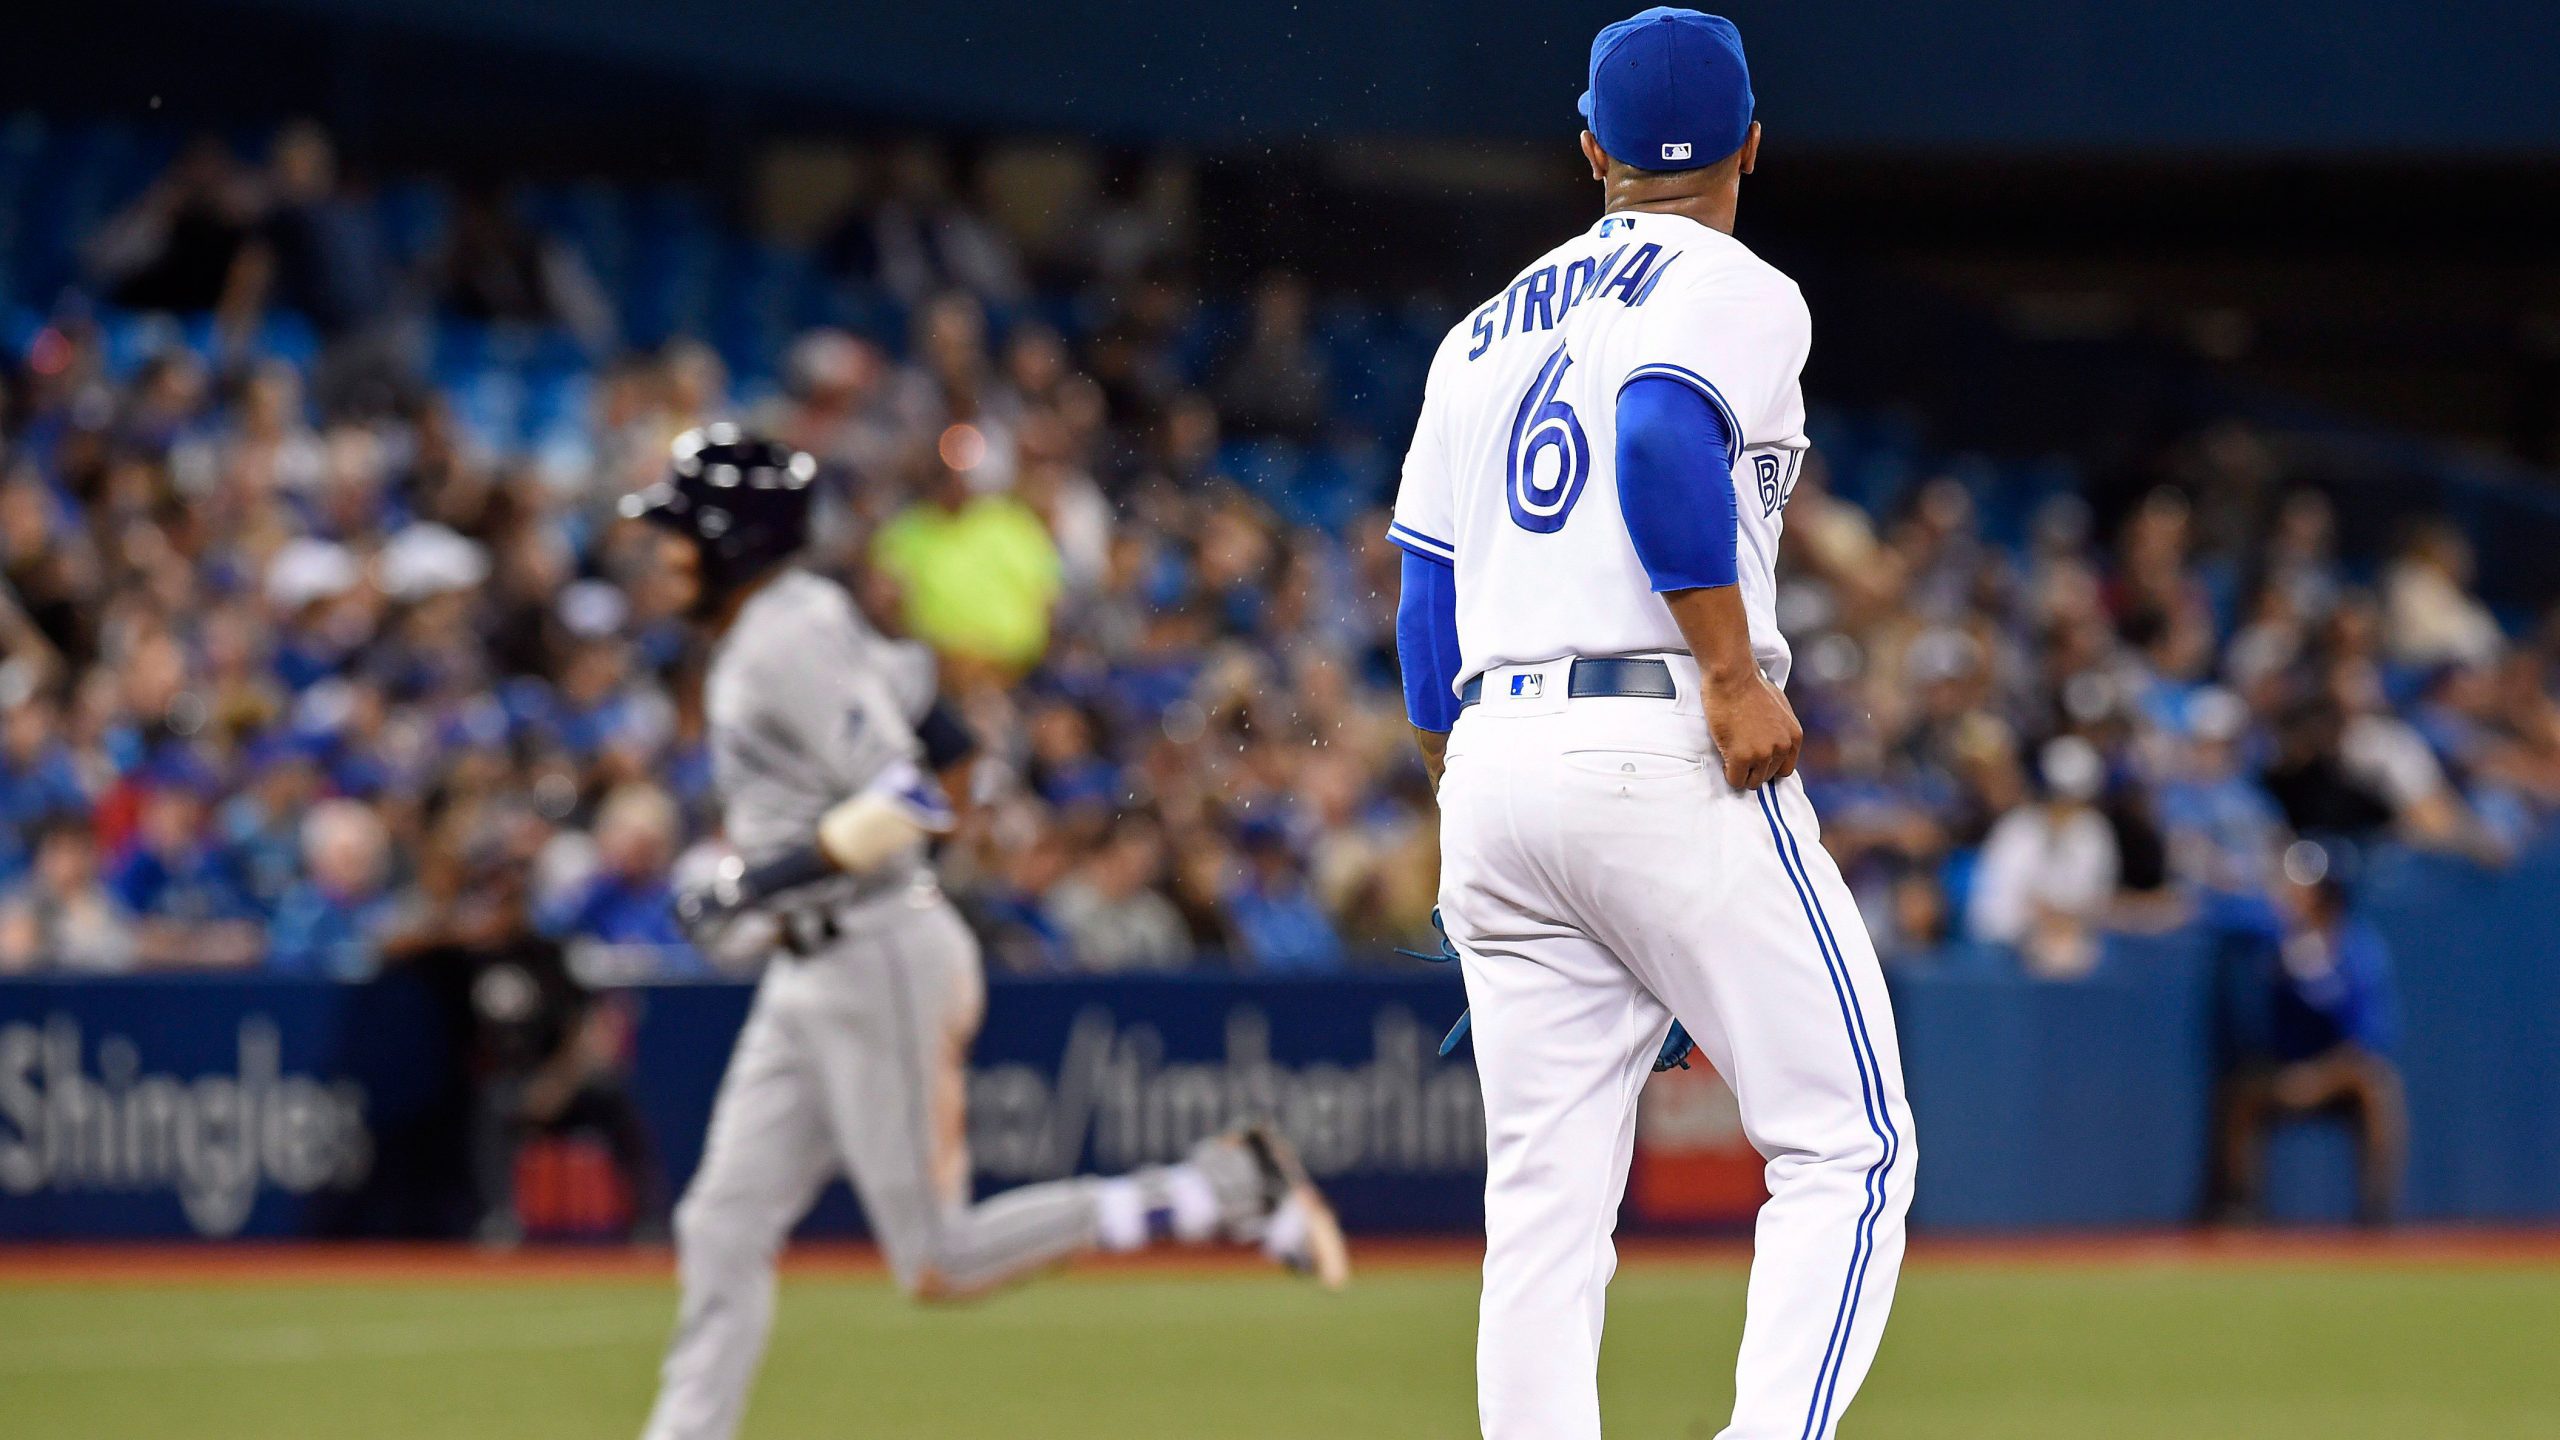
{"x": 808, "y": 704}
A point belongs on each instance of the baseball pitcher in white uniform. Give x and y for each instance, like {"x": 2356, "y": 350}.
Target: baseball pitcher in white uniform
{"x": 1590, "y": 513}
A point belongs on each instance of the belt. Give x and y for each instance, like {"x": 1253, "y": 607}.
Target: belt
{"x": 1601, "y": 679}
{"x": 807, "y": 931}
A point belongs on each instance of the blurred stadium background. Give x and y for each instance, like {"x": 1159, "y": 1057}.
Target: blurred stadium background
{"x": 2173, "y": 582}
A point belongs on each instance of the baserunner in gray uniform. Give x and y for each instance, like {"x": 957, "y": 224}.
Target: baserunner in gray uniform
{"x": 826, "y": 742}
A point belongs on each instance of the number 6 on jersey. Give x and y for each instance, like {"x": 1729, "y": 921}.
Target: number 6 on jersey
{"x": 1546, "y": 423}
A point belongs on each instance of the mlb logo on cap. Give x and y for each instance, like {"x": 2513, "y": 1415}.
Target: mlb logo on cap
{"x": 1676, "y": 152}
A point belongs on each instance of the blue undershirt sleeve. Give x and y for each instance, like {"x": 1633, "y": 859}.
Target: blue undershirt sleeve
{"x": 1427, "y": 642}
{"x": 1675, "y": 484}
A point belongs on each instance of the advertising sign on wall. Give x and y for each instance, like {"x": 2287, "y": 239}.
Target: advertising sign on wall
{"x": 1693, "y": 1165}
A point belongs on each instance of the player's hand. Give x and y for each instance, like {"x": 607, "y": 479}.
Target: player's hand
{"x": 1755, "y": 730}
{"x": 705, "y": 908}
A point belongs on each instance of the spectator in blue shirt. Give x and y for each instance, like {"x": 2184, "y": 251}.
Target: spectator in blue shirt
{"x": 2315, "y": 1017}
{"x": 192, "y": 909}
{"x": 1066, "y": 768}
{"x": 2223, "y": 828}
{"x": 594, "y": 703}
{"x": 1027, "y": 857}
{"x": 1278, "y": 924}
{"x": 260, "y": 829}
{"x": 628, "y": 899}
{"x": 329, "y": 924}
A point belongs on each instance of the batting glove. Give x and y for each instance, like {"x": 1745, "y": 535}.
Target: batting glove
{"x": 1676, "y": 1049}
{"x": 1448, "y": 950}
{"x": 1447, "y": 953}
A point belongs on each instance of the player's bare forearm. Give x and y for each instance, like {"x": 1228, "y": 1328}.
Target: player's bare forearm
{"x": 1754, "y": 728}
{"x": 1435, "y": 752}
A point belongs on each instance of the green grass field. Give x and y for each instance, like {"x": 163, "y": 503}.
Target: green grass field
{"x": 1989, "y": 1351}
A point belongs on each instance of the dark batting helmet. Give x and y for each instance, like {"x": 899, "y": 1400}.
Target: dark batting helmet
{"x": 742, "y": 501}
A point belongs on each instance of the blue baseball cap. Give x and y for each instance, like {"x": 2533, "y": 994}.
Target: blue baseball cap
{"x": 1669, "y": 90}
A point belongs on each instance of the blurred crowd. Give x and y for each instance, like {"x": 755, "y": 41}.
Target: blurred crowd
{"x": 299, "y": 660}
{"x": 2033, "y": 745}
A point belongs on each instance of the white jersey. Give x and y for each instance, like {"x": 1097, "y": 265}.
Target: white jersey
{"x": 1512, "y": 477}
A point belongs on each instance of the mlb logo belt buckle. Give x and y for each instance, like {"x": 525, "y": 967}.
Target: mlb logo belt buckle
{"x": 1543, "y": 689}
{"x": 1519, "y": 690}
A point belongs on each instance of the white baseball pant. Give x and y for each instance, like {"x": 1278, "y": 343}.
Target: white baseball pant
{"x": 1599, "y": 877}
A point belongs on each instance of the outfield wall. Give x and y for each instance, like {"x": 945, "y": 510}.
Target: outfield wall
{"x": 216, "y": 1107}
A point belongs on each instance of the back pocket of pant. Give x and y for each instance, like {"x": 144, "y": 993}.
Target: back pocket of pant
{"x": 1626, "y": 765}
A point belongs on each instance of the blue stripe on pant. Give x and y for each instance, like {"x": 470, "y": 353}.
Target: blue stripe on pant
{"x": 1817, "y": 1419}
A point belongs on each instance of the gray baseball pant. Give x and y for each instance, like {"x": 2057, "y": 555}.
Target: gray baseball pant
{"x": 852, "y": 1061}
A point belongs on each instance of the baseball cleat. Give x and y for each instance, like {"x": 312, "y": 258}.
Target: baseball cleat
{"x": 1300, "y": 1230}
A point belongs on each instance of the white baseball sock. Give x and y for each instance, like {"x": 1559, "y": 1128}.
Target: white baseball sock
{"x": 1177, "y": 1203}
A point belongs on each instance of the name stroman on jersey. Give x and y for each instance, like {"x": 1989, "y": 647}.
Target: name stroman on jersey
{"x": 1527, "y": 388}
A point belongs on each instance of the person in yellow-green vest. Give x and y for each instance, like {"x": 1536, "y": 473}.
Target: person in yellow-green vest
{"x": 980, "y": 573}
